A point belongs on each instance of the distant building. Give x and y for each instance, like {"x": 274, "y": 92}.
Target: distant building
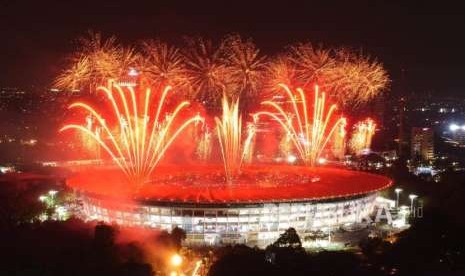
{"x": 422, "y": 143}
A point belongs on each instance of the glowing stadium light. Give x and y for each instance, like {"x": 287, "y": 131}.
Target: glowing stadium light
{"x": 291, "y": 158}
{"x": 412, "y": 198}
{"x": 322, "y": 161}
{"x": 398, "y": 191}
{"x": 176, "y": 260}
{"x": 454, "y": 127}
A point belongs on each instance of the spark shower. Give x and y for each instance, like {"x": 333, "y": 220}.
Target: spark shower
{"x": 137, "y": 136}
{"x": 137, "y": 141}
{"x": 310, "y": 133}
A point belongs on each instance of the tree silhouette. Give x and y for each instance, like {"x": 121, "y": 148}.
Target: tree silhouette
{"x": 289, "y": 238}
{"x": 178, "y": 235}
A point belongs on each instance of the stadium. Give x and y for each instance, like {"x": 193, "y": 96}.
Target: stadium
{"x": 262, "y": 202}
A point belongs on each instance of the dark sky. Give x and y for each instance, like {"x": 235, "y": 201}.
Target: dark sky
{"x": 426, "y": 39}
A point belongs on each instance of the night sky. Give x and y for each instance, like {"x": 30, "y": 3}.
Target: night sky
{"x": 426, "y": 40}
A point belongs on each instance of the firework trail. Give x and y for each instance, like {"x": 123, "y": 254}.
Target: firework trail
{"x": 229, "y": 132}
{"x": 339, "y": 141}
{"x": 310, "y": 130}
{"x": 280, "y": 70}
{"x": 161, "y": 64}
{"x": 362, "y": 136}
{"x": 349, "y": 78}
{"x": 96, "y": 61}
{"x": 208, "y": 76}
{"x": 139, "y": 140}
{"x": 313, "y": 64}
{"x": 204, "y": 145}
{"x": 246, "y": 64}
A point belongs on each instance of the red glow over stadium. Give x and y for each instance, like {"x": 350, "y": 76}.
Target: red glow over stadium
{"x": 205, "y": 184}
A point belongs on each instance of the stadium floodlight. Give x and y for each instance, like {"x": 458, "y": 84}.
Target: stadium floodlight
{"x": 453, "y": 127}
{"x": 398, "y": 191}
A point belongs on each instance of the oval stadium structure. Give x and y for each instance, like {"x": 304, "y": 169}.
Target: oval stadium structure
{"x": 261, "y": 203}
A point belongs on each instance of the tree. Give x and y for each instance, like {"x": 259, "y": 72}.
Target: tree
{"x": 104, "y": 236}
{"x": 178, "y": 235}
{"x": 19, "y": 202}
{"x": 136, "y": 269}
{"x": 240, "y": 260}
{"x": 289, "y": 239}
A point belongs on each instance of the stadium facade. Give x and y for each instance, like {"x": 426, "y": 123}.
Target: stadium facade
{"x": 253, "y": 216}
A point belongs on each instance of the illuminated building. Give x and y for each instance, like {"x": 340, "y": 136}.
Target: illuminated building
{"x": 251, "y": 212}
{"x": 422, "y": 143}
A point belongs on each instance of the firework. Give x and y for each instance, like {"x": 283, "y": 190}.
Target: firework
{"x": 339, "y": 141}
{"x": 207, "y": 74}
{"x": 73, "y": 77}
{"x": 140, "y": 141}
{"x": 358, "y": 78}
{"x": 285, "y": 145}
{"x": 204, "y": 145}
{"x": 313, "y": 64}
{"x": 229, "y": 131}
{"x": 89, "y": 144}
{"x": 362, "y": 136}
{"x": 161, "y": 64}
{"x": 96, "y": 61}
{"x": 125, "y": 63}
{"x": 249, "y": 144}
{"x": 309, "y": 130}
{"x": 204, "y": 71}
{"x": 349, "y": 78}
{"x": 246, "y": 65}
{"x": 280, "y": 70}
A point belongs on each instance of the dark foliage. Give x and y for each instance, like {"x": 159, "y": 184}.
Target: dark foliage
{"x": 178, "y": 235}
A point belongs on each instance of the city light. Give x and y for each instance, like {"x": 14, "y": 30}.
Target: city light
{"x": 455, "y": 127}
{"x": 53, "y": 211}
